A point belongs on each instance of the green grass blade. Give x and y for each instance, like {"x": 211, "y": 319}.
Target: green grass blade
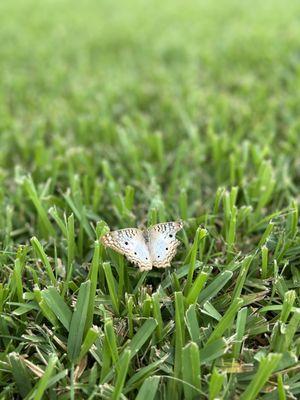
{"x": 121, "y": 374}
{"x": 57, "y": 305}
{"x": 78, "y": 320}
{"x": 42, "y": 384}
{"x": 214, "y": 287}
{"x": 215, "y": 384}
{"x": 38, "y": 248}
{"x": 191, "y": 370}
{"x": 240, "y": 331}
{"x": 93, "y": 277}
{"x": 111, "y": 287}
{"x": 20, "y": 374}
{"x": 148, "y": 389}
{"x": 90, "y": 338}
{"x": 266, "y": 366}
{"x": 111, "y": 340}
{"x": 192, "y": 323}
{"x": 226, "y": 321}
{"x": 196, "y": 288}
{"x": 179, "y": 340}
{"x": 32, "y": 194}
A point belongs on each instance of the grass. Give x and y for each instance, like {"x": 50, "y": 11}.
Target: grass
{"x": 125, "y": 114}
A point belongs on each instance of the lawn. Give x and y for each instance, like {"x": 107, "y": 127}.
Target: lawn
{"x": 126, "y": 114}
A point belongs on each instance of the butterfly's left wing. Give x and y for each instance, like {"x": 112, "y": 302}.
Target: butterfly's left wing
{"x": 163, "y": 243}
{"x": 131, "y": 243}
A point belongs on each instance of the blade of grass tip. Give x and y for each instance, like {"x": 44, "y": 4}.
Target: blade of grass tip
{"x": 93, "y": 277}
{"x": 231, "y": 233}
{"x": 179, "y": 342}
{"x": 266, "y": 234}
{"x": 54, "y": 214}
{"x": 210, "y": 310}
{"x": 38, "y": 248}
{"x": 71, "y": 240}
{"x": 240, "y": 331}
{"x": 242, "y": 276}
{"x": 200, "y": 234}
{"x": 149, "y": 388}
{"x": 57, "y": 305}
{"x": 121, "y": 375}
{"x": 41, "y": 385}
{"x": 146, "y": 307}
{"x": 227, "y": 211}
{"x": 78, "y": 322}
{"x": 17, "y": 278}
{"x": 226, "y": 321}
{"x": 111, "y": 287}
{"x": 80, "y": 215}
{"x": 215, "y": 384}
{"x": 90, "y": 338}
{"x": 218, "y": 199}
{"x": 20, "y": 374}
{"x": 288, "y": 302}
{"x": 111, "y": 340}
{"x": 32, "y": 194}
{"x": 266, "y": 367}
{"x": 214, "y": 287}
{"x": 191, "y": 370}
{"x": 264, "y": 262}
{"x": 196, "y": 288}
{"x": 130, "y": 302}
{"x": 157, "y": 315}
{"x": 192, "y": 324}
{"x": 233, "y": 196}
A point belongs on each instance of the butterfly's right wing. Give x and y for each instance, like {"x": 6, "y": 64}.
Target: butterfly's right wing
{"x": 163, "y": 243}
{"x": 131, "y": 243}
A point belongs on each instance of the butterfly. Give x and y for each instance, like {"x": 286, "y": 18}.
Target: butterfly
{"x": 152, "y": 247}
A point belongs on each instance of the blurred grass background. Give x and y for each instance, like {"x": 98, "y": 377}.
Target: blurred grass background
{"x": 131, "y": 113}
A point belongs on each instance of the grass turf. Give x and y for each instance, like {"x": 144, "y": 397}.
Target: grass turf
{"x": 133, "y": 113}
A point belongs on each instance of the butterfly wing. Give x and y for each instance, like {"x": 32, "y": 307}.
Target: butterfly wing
{"x": 163, "y": 243}
{"x": 131, "y": 243}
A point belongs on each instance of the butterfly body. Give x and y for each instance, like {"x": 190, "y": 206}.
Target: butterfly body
{"x": 152, "y": 247}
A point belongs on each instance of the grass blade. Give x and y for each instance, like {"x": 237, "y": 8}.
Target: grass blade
{"x": 121, "y": 374}
{"x": 215, "y": 287}
{"x": 149, "y": 388}
{"x": 77, "y": 324}
{"x": 42, "y": 384}
{"x": 20, "y": 374}
{"x": 226, "y": 320}
{"x": 266, "y": 367}
{"x": 191, "y": 370}
{"x": 93, "y": 277}
{"x": 57, "y": 305}
{"x": 111, "y": 287}
{"x": 38, "y": 248}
